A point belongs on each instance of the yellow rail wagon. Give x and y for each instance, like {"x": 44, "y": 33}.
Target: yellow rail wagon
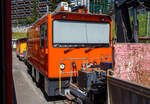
{"x": 21, "y": 48}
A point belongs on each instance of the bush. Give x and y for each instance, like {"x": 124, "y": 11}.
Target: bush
{"x": 35, "y": 9}
{"x": 21, "y": 21}
{"x": 28, "y": 20}
{"x": 16, "y": 35}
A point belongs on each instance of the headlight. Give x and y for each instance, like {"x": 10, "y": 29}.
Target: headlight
{"x": 62, "y": 66}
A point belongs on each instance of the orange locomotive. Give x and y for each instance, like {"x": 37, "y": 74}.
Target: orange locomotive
{"x": 61, "y": 40}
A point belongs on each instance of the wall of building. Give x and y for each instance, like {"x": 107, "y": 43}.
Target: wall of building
{"x": 20, "y": 9}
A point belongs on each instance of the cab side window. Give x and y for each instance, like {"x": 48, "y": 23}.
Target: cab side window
{"x": 43, "y": 35}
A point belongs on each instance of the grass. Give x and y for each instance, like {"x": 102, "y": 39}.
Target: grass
{"x": 142, "y": 18}
{"x": 16, "y": 35}
{"x": 143, "y": 24}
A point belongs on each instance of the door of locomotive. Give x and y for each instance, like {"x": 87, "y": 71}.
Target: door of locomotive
{"x": 44, "y": 46}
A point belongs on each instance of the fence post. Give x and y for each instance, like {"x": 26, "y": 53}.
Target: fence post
{"x": 148, "y": 23}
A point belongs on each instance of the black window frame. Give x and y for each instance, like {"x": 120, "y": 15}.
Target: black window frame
{"x": 43, "y": 35}
{"x": 80, "y": 45}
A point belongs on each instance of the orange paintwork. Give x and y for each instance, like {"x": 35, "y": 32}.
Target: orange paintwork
{"x": 82, "y": 11}
{"x": 47, "y": 59}
{"x": 17, "y": 47}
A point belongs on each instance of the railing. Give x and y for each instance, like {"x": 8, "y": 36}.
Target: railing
{"x": 125, "y": 92}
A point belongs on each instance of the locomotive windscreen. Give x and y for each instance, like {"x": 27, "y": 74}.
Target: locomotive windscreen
{"x": 79, "y": 32}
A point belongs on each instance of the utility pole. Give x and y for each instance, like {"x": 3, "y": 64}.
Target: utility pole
{"x": 94, "y": 6}
{"x": 148, "y": 18}
{"x": 135, "y": 25}
{"x": 88, "y": 5}
{"x": 47, "y": 9}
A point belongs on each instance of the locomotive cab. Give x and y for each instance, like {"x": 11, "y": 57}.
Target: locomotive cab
{"x": 62, "y": 43}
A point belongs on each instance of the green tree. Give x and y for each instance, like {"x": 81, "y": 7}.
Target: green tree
{"x": 29, "y": 20}
{"x": 25, "y": 21}
{"x": 21, "y": 21}
{"x": 111, "y": 4}
{"x": 35, "y": 10}
{"x": 97, "y": 5}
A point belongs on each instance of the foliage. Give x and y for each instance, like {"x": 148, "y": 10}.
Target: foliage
{"x": 35, "y": 10}
{"x": 143, "y": 24}
{"x": 142, "y": 18}
{"x": 16, "y": 35}
{"x": 97, "y": 5}
{"x": 21, "y": 21}
{"x": 15, "y": 21}
{"x": 29, "y": 20}
{"x": 25, "y": 21}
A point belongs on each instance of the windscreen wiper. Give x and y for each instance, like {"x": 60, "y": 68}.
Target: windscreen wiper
{"x": 89, "y": 49}
{"x": 97, "y": 46}
{"x": 67, "y": 50}
{"x": 86, "y": 51}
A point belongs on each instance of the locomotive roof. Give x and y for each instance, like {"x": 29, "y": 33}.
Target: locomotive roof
{"x": 64, "y": 12}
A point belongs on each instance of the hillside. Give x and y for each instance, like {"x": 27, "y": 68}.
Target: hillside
{"x": 16, "y": 35}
